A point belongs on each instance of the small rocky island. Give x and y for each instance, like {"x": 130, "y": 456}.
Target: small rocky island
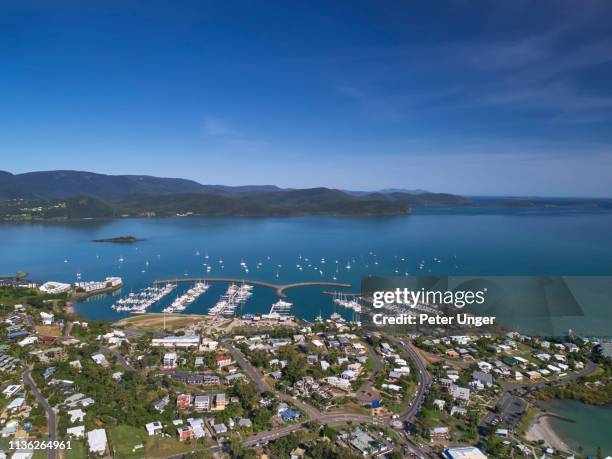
{"x": 120, "y": 240}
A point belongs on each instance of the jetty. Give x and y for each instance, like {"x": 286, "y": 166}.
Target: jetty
{"x": 18, "y": 276}
{"x": 13, "y": 279}
{"x": 348, "y": 294}
{"x": 278, "y": 288}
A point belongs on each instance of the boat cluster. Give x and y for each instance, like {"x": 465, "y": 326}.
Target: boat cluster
{"x": 231, "y": 299}
{"x": 187, "y": 298}
{"x": 345, "y": 302}
{"x": 281, "y": 308}
{"x": 138, "y": 303}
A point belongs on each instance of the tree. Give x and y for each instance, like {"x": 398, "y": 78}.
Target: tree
{"x": 494, "y": 446}
{"x": 249, "y": 396}
{"x": 236, "y": 447}
{"x": 329, "y": 432}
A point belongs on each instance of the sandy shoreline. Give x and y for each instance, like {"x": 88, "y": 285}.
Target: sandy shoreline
{"x": 541, "y": 429}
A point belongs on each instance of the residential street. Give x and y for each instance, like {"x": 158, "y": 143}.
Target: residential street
{"x": 51, "y": 416}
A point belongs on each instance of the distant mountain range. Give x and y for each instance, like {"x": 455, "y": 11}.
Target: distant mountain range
{"x": 74, "y": 194}
{"x": 67, "y": 184}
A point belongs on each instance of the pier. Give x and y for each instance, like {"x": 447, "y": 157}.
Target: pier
{"x": 347, "y": 294}
{"x": 279, "y": 288}
{"x": 13, "y": 280}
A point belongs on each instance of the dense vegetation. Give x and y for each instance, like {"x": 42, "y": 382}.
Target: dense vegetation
{"x": 321, "y": 201}
{"x": 593, "y": 390}
{"x": 78, "y": 195}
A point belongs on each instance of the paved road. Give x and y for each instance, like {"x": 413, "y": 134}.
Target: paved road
{"x": 588, "y": 370}
{"x": 270, "y": 435}
{"x": 262, "y": 385}
{"x": 424, "y": 379}
{"x": 330, "y": 419}
{"x": 51, "y": 417}
{"x": 311, "y": 411}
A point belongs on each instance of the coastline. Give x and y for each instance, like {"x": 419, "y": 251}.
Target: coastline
{"x": 541, "y": 429}
{"x": 80, "y": 296}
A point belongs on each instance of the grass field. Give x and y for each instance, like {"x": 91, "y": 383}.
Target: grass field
{"x": 78, "y": 450}
{"x": 158, "y": 447}
{"x": 155, "y": 321}
{"x": 123, "y": 439}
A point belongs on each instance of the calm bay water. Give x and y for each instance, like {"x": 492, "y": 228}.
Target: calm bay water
{"x": 591, "y": 428}
{"x": 448, "y": 241}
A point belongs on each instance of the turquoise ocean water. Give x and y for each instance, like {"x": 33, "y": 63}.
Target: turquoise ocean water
{"x": 467, "y": 241}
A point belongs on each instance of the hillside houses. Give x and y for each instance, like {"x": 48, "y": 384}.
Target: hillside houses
{"x": 100, "y": 359}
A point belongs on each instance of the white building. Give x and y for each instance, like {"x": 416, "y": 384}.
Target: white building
{"x": 96, "y": 439}
{"x": 27, "y": 341}
{"x": 54, "y": 288}
{"x": 462, "y": 340}
{"x": 153, "y": 428}
{"x": 92, "y": 286}
{"x": 76, "y": 415}
{"x": 459, "y": 393}
{"x": 21, "y": 455}
{"x": 76, "y": 431}
{"x": 115, "y": 337}
{"x": 100, "y": 360}
{"x": 402, "y": 370}
{"x": 46, "y": 318}
{"x": 198, "y": 432}
{"x": 11, "y": 390}
{"x": 201, "y": 403}
{"x": 393, "y": 387}
{"x": 176, "y": 341}
{"x": 464, "y": 452}
{"x": 439, "y": 403}
{"x": 208, "y": 345}
{"x": 170, "y": 359}
{"x": 15, "y": 405}
{"x": 338, "y": 382}
{"x": 485, "y": 366}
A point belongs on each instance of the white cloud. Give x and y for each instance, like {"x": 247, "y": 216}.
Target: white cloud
{"x": 215, "y": 127}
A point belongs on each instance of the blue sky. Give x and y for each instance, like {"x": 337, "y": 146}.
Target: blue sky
{"x": 504, "y": 98}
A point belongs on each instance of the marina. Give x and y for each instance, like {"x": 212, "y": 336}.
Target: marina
{"x": 182, "y": 302}
{"x": 280, "y": 308}
{"x": 348, "y": 302}
{"x": 274, "y": 246}
{"x": 280, "y": 289}
{"x": 138, "y": 303}
{"x": 234, "y": 296}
